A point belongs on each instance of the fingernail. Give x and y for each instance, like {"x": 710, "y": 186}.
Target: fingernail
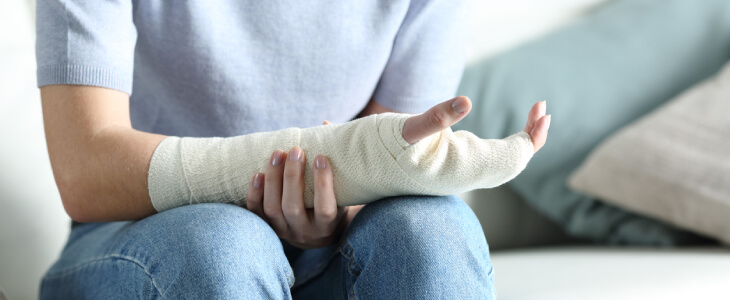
{"x": 276, "y": 158}
{"x": 295, "y": 154}
{"x": 320, "y": 162}
{"x": 258, "y": 179}
{"x": 459, "y": 105}
{"x": 549, "y": 118}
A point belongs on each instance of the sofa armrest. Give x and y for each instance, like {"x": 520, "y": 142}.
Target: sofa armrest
{"x": 508, "y": 222}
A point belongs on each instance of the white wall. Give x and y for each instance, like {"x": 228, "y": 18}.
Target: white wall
{"x": 498, "y": 25}
{"x": 33, "y": 226}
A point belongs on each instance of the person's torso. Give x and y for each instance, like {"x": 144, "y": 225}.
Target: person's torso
{"x": 225, "y": 68}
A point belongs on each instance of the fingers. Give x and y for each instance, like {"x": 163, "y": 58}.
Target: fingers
{"x": 540, "y": 132}
{"x": 255, "y": 196}
{"x": 537, "y": 111}
{"x": 292, "y": 198}
{"x": 437, "y": 118}
{"x": 325, "y": 203}
{"x": 538, "y": 124}
{"x": 282, "y": 191}
{"x": 326, "y": 122}
{"x": 273, "y": 191}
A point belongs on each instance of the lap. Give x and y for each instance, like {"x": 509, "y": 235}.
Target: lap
{"x": 219, "y": 250}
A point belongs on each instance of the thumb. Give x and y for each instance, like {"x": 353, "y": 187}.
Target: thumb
{"x": 438, "y": 118}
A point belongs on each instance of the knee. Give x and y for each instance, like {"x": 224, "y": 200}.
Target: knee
{"x": 204, "y": 230}
{"x": 434, "y": 226}
{"x": 215, "y": 249}
{"x": 431, "y": 238}
{"x": 424, "y": 217}
{"x": 219, "y": 229}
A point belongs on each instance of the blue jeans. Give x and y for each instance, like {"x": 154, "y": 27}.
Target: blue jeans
{"x": 395, "y": 248}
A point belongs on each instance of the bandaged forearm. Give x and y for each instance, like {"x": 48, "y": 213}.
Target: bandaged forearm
{"x": 369, "y": 158}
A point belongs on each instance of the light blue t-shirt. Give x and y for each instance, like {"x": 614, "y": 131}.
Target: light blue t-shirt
{"x": 230, "y": 67}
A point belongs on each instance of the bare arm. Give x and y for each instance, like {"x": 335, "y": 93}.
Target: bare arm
{"x": 100, "y": 163}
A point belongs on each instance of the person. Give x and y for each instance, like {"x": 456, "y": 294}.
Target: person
{"x": 229, "y": 68}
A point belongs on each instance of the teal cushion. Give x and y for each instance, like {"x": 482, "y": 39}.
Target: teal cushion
{"x": 626, "y": 58}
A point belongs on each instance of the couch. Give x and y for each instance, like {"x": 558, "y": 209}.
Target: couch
{"x": 533, "y": 257}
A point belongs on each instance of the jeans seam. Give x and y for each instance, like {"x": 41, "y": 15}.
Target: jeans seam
{"x": 97, "y": 260}
{"x": 351, "y": 261}
{"x": 291, "y": 279}
{"x": 350, "y": 257}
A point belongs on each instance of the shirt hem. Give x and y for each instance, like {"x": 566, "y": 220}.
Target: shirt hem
{"x": 84, "y": 75}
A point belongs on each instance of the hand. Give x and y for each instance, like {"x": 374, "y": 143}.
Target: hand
{"x": 538, "y": 124}
{"x": 450, "y": 112}
{"x": 278, "y": 198}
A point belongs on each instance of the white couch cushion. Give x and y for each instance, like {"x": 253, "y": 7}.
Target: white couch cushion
{"x": 612, "y": 273}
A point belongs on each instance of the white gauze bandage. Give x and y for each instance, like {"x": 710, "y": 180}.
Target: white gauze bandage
{"x": 369, "y": 158}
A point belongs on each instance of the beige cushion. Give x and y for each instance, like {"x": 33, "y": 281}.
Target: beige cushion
{"x": 673, "y": 164}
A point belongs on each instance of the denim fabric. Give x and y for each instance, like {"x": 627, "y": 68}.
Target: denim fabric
{"x": 208, "y": 251}
{"x": 411, "y": 247}
{"x": 397, "y": 248}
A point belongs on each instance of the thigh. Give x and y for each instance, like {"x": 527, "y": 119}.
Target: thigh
{"x": 198, "y": 251}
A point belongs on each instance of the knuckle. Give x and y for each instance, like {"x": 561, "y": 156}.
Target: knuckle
{"x": 292, "y": 210}
{"x": 272, "y": 175}
{"x": 328, "y": 213}
{"x": 292, "y": 173}
{"x": 437, "y": 118}
{"x": 323, "y": 183}
{"x": 270, "y": 214}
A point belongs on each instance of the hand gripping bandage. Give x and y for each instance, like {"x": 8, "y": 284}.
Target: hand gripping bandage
{"x": 369, "y": 158}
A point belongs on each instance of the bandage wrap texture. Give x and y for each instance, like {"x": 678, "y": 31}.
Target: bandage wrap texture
{"x": 369, "y": 158}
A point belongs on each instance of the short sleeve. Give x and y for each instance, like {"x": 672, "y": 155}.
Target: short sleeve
{"x": 85, "y": 42}
{"x": 427, "y": 58}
